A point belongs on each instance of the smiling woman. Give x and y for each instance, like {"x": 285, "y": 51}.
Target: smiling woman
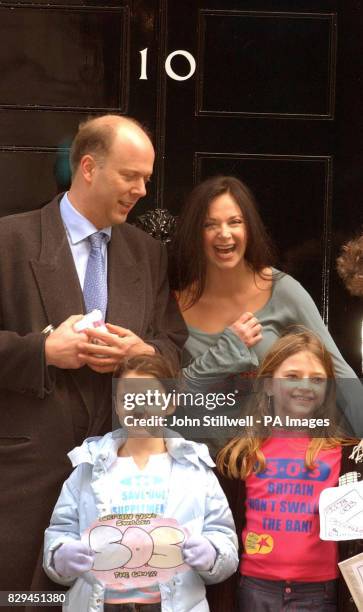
{"x": 233, "y": 301}
{"x": 225, "y": 235}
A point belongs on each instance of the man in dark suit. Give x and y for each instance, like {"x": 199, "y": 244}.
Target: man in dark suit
{"x": 56, "y": 388}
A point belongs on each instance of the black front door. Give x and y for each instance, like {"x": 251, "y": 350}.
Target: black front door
{"x": 274, "y": 99}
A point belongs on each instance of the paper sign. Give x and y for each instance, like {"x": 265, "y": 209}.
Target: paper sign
{"x": 352, "y": 570}
{"x": 136, "y": 550}
{"x": 341, "y": 512}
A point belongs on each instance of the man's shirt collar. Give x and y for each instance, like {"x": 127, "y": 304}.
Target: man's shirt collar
{"x": 78, "y": 227}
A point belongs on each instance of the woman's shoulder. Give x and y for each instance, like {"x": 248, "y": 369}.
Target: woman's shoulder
{"x": 185, "y": 300}
{"x": 188, "y": 295}
{"x": 284, "y": 284}
{"x": 193, "y": 312}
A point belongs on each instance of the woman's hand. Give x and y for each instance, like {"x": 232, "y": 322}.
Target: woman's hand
{"x": 248, "y": 329}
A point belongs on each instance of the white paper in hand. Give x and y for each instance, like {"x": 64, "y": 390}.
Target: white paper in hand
{"x": 341, "y": 512}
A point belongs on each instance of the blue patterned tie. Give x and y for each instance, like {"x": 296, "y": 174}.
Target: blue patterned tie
{"x": 95, "y": 280}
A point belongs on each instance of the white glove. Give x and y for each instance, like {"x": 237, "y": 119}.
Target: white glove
{"x": 72, "y": 559}
{"x": 199, "y": 553}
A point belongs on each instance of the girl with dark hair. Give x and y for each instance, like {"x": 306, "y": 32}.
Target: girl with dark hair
{"x": 139, "y": 470}
{"x": 234, "y": 302}
{"x": 284, "y": 564}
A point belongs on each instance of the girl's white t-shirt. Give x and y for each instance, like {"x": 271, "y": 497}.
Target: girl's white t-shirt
{"x": 132, "y": 490}
{"x": 139, "y": 491}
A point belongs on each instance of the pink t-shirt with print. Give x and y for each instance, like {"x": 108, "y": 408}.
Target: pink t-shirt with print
{"x": 281, "y": 537}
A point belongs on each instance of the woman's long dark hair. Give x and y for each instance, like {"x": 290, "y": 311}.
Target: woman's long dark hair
{"x": 187, "y": 251}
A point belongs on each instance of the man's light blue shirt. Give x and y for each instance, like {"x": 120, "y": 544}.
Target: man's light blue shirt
{"x": 78, "y": 229}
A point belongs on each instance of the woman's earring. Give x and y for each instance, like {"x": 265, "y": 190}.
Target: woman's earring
{"x": 269, "y": 403}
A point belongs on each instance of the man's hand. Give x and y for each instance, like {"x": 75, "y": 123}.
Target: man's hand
{"x": 62, "y": 346}
{"x": 112, "y": 348}
{"x": 248, "y": 329}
